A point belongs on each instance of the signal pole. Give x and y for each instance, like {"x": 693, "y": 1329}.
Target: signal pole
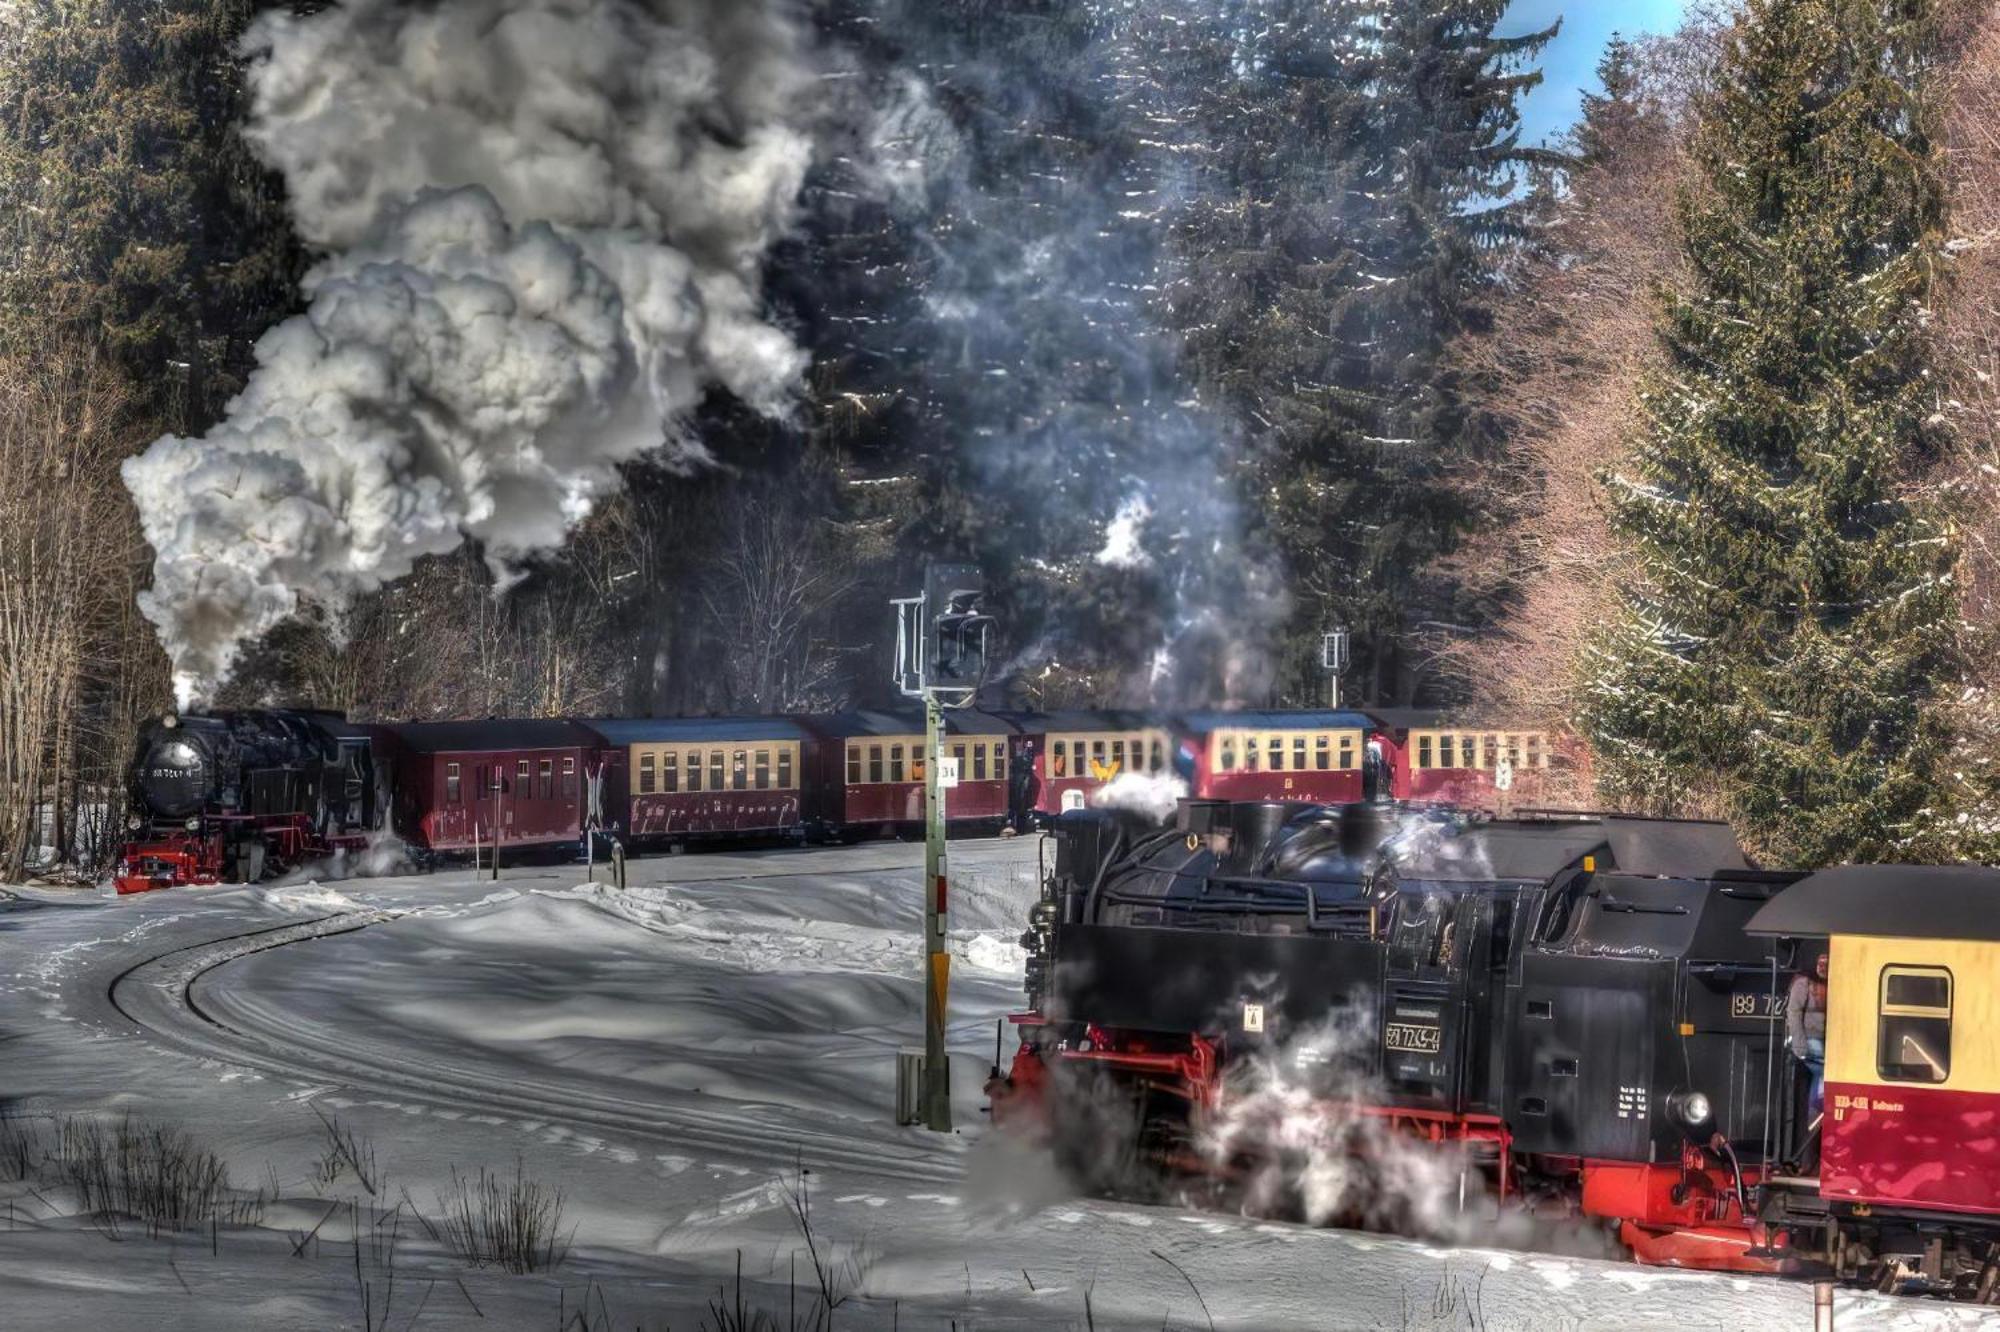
{"x": 940, "y": 650}
{"x": 937, "y": 958}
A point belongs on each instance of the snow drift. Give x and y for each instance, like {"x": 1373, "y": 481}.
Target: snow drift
{"x": 543, "y": 222}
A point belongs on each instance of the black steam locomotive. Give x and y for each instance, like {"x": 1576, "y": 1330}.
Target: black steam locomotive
{"x": 1567, "y": 1006}
{"x": 234, "y": 795}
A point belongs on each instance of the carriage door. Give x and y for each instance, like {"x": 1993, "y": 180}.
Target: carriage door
{"x": 1423, "y": 1009}
{"x": 1375, "y": 783}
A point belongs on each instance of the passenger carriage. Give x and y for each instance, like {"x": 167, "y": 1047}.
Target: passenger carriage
{"x": 1907, "y": 1184}
{"x": 1061, "y": 760}
{"x": 672, "y": 780}
{"x": 522, "y": 783}
{"x": 1436, "y": 762}
{"x": 866, "y": 770}
{"x": 1312, "y": 757}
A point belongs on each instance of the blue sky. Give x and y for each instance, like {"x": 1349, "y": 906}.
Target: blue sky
{"x": 1569, "y": 63}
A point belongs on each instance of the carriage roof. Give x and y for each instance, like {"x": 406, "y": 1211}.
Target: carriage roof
{"x": 1888, "y": 901}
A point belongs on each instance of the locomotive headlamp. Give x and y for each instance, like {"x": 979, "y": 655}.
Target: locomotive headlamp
{"x": 193, "y": 824}
{"x": 1692, "y": 1113}
{"x": 170, "y": 721}
{"x": 133, "y": 823}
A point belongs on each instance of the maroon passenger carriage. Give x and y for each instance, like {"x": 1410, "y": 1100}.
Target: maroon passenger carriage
{"x": 672, "y": 780}
{"x": 1432, "y": 760}
{"x": 866, "y": 772}
{"x": 522, "y": 783}
{"x": 1321, "y": 758}
{"x": 1061, "y": 760}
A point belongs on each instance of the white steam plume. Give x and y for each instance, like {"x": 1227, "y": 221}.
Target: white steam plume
{"x": 1155, "y": 794}
{"x": 544, "y": 222}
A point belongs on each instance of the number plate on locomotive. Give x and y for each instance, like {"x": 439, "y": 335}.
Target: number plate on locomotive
{"x": 1756, "y": 1004}
{"x": 1415, "y": 1038}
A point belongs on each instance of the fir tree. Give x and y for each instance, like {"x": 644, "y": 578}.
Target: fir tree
{"x": 133, "y": 211}
{"x": 1374, "y": 147}
{"x": 1788, "y": 624}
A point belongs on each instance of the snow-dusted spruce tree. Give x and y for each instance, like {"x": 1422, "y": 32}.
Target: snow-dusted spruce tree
{"x": 1361, "y": 161}
{"x": 1788, "y": 626}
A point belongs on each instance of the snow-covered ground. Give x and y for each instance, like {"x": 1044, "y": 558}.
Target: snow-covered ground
{"x": 671, "y": 1056}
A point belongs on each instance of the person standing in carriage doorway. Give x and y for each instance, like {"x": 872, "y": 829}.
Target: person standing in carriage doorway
{"x": 1805, "y": 1037}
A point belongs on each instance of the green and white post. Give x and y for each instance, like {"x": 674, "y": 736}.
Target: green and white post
{"x": 937, "y": 957}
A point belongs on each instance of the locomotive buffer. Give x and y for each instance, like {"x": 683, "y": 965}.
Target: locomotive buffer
{"x": 941, "y": 639}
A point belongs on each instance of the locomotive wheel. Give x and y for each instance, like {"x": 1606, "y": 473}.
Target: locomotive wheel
{"x": 1101, "y": 1135}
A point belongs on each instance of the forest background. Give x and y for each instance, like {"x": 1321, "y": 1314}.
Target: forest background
{"x": 1202, "y": 326}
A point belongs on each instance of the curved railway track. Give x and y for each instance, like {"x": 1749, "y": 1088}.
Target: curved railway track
{"x": 162, "y": 995}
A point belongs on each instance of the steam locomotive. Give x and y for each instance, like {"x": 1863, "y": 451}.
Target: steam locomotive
{"x": 238, "y": 795}
{"x": 1577, "y": 1015}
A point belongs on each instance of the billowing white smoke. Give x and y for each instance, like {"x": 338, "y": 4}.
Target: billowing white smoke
{"x": 1296, "y": 1112}
{"x": 1154, "y": 794}
{"x": 544, "y": 222}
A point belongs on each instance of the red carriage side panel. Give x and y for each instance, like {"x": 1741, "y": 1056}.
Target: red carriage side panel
{"x": 692, "y": 777}
{"x": 870, "y": 770}
{"x": 1302, "y": 757}
{"x": 469, "y": 784}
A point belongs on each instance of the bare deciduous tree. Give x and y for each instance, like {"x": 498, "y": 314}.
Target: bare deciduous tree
{"x": 779, "y": 568}
{"x": 74, "y": 656}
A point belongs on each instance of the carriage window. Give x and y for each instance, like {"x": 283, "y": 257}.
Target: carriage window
{"x": 1299, "y": 753}
{"x": 979, "y": 763}
{"x": 1059, "y": 764}
{"x": 1097, "y": 758}
{"x": 694, "y": 770}
{"x": 547, "y": 776}
{"x": 1464, "y": 752}
{"x": 895, "y": 763}
{"x": 763, "y": 770}
{"x": 874, "y": 763}
{"x": 854, "y": 765}
{"x": 1159, "y": 751}
{"x": 1423, "y": 751}
{"x": 1276, "y": 745}
{"x": 958, "y": 753}
{"x": 1913, "y": 1025}
{"x": 1513, "y": 751}
{"x": 1347, "y": 753}
{"x": 739, "y": 770}
{"x": 1446, "y": 749}
{"x": 1492, "y": 746}
{"x": 522, "y": 785}
{"x": 1322, "y": 752}
{"x": 670, "y": 771}
{"x": 452, "y": 790}
{"x": 1229, "y": 756}
{"x": 569, "y": 779}
{"x": 715, "y": 771}
{"x": 999, "y": 760}
{"x": 1253, "y": 756}
{"x": 1537, "y": 756}
{"x": 784, "y": 770}
{"x": 1117, "y": 757}
{"x": 646, "y": 775}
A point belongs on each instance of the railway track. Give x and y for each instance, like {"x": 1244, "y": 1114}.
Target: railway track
{"x": 162, "y": 995}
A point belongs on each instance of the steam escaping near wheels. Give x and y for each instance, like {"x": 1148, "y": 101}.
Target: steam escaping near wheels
{"x": 544, "y": 222}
